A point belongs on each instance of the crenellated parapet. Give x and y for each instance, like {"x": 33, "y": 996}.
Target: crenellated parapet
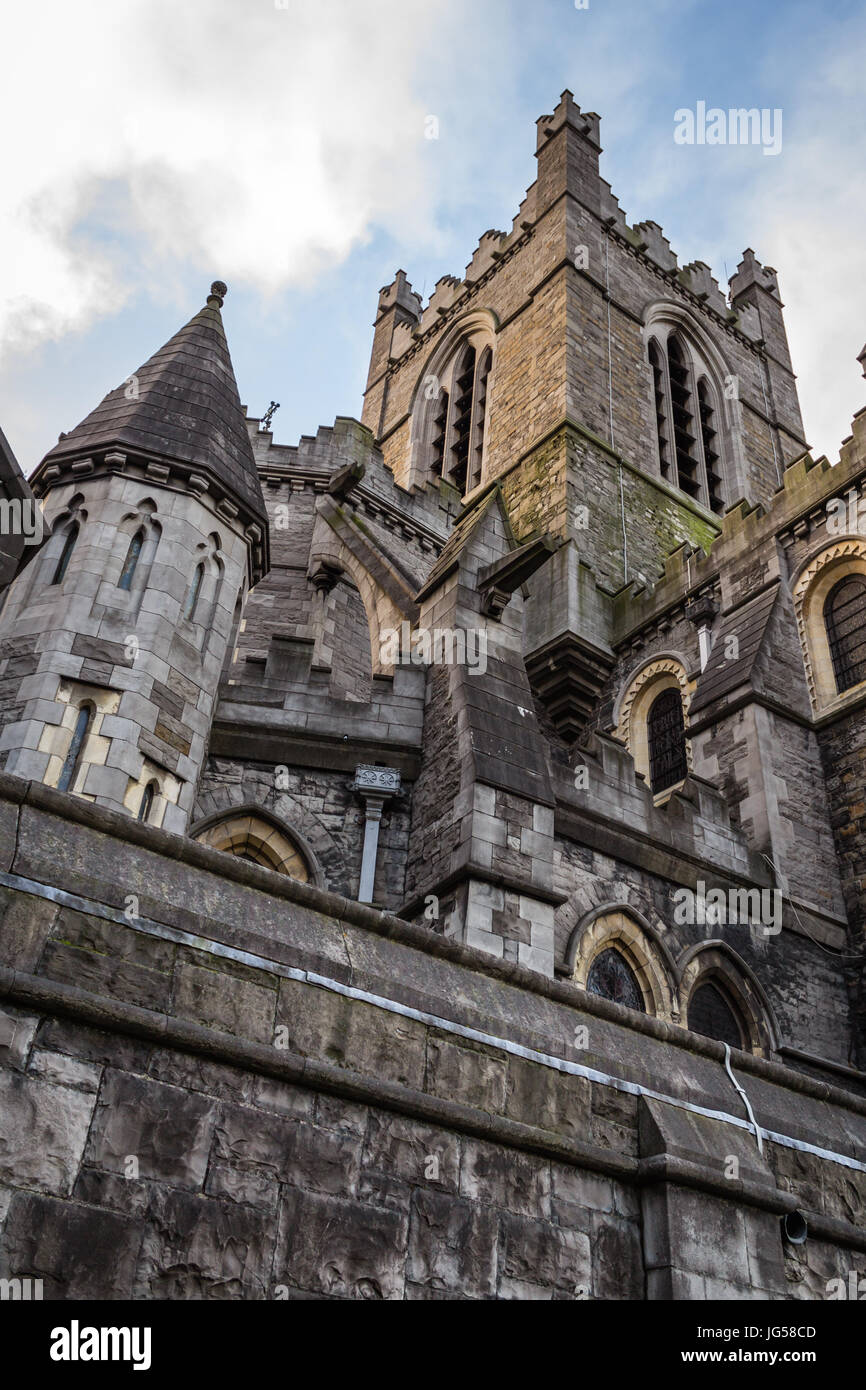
{"x": 701, "y": 282}
{"x": 453, "y": 294}
{"x": 656, "y": 246}
{"x": 586, "y": 123}
{"x": 400, "y": 295}
{"x": 751, "y": 273}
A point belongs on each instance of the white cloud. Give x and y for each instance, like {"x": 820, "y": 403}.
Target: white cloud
{"x": 812, "y": 207}
{"x": 803, "y": 212}
{"x": 262, "y": 142}
{"x": 153, "y": 136}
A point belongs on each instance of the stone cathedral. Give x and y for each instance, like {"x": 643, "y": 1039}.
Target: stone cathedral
{"x": 432, "y": 857}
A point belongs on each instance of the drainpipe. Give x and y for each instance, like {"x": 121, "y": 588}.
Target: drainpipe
{"x": 702, "y": 611}
{"x": 375, "y": 785}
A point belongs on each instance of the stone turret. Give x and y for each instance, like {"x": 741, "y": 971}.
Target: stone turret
{"x": 113, "y": 641}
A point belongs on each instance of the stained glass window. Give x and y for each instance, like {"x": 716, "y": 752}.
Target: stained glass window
{"x": 611, "y": 977}
{"x": 845, "y": 618}
{"x": 146, "y": 806}
{"x": 129, "y": 564}
{"x": 194, "y": 591}
{"x": 667, "y": 741}
{"x": 66, "y": 554}
{"x": 73, "y": 756}
{"x": 711, "y": 1014}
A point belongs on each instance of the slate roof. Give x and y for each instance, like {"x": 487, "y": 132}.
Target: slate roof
{"x": 12, "y": 480}
{"x": 187, "y": 409}
{"x": 464, "y": 528}
{"x": 14, "y": 554}
{"x": 748, "y": 624}
{"x": 506, "y": 746}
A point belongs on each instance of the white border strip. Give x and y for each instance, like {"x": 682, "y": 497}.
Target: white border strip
{"x": 159, "y": 929}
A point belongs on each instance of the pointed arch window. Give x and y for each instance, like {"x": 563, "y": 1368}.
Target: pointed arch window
{"x": 711, "y": 1015}
{"x": 710, "y": 442}
{"x": 248, "y": 835}
{"x": 685, "y": 438}
{"x": 131, "y": 561}
{"x": 845, "y": 620}
{"x": 660, "y": 398}
{"x": 688, "y": 421}
{"x": 452, "y": 410}
{"x": 464, "y": 385}
{"x": 146, "y": 803}
{"x": 72, "y": 760}
{"x": 611, "y": 977}
{"x": 440, "y": 430}
{"x": 666, "y": 736}
{"x": 484, "y": 365}
{"x": 66, "y": 553}
{"x": 193, "y": 593}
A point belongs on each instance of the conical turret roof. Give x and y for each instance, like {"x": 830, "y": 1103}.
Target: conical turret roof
{"x": 182, "y": 405}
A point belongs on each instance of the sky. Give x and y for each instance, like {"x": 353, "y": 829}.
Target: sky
{"x": 282, "y": 146}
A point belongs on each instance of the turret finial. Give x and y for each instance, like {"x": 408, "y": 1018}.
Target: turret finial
{"x": 218, "y": 292}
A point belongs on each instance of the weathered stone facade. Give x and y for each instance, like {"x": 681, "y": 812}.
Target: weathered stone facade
{"x": 254, "y": 1089}
{"x": 418, "y": 661}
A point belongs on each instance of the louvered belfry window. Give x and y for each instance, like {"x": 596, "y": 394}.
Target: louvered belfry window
{"x": 611, "y": 977}
{"x": 685, "y": 437}
{"x": 440, "y": 427}
{"x": 661, "y": 406}
{"x": 453, "y": 426}
{"x": 687, "y": 417}
{"x": 845, "y": 619}
{"x": 667, "y": 741}
{"x": 462, "y": 424}
{"x": 709, "y": 439}
{"x": 480, "y": 416}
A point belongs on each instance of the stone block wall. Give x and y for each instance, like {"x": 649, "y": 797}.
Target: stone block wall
{"x": 320, "y": 806}
{"x": 798, "y": 971}
{"x": 252, "y": 1089}
{"x": 151, "y": 672}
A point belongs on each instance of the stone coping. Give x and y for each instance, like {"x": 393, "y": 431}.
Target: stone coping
{"x": 37, "y": 993}
{"x": 18, "y": 792}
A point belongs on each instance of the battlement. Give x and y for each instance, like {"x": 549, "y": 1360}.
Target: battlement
{"x": 586, "y": 123}
{"x": 751, "y": 273}
{"x": 414, "y": 322}
{"x": 700, "y": 281}
{"x": 400, "y": 294}
{"x": 451, "y": 289}
{"x": 345, "y": 441}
